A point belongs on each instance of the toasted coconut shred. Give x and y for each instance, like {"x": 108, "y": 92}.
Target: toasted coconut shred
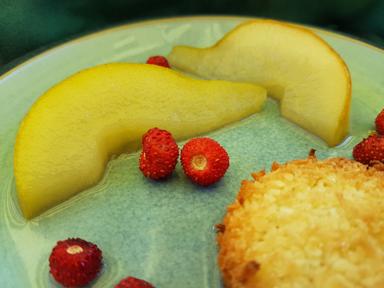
{"x": 307, "y": 223}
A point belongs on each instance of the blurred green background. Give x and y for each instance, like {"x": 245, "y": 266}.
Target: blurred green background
{"x": 27, "y": 25}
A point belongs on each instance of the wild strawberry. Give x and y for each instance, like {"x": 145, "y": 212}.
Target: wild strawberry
{"x": 379, "y": 121}
{"x": 160, "y": 153}
{"x": 158, "y": 60}
{"x": 75, "y": 262}
{"x": 155, "y": 170}
{"x": 132, "y": 282}
{"x": 370, "y": 149}
{"x": 204, "y": 161}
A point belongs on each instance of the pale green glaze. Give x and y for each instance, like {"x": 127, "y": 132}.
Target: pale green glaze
{"x": 162, "y": 232}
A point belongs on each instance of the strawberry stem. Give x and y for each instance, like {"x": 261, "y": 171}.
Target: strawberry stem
{"x": 74, "y": 249}
{"x": 199, "y": 162}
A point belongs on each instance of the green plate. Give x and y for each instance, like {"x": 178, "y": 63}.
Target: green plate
{"x": 162, "y": 232}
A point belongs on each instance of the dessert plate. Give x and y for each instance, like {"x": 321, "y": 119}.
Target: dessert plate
{"x": 162, "y": 232}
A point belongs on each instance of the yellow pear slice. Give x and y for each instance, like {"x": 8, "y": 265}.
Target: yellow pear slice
{"x": 293, "y": 63}
{"x": 70, "y": 133}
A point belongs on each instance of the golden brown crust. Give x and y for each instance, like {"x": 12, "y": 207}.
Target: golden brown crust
{"x": 312, "y": 223}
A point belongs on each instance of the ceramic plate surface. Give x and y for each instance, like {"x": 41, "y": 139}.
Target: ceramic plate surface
{"x": 162, "y": 232}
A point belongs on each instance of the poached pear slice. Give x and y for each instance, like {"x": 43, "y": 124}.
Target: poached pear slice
{"x": 295, "y": 65}
{"x": 70, "y": 133}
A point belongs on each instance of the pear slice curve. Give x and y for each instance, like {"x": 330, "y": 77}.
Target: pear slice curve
{"x": 70, "y": 133}
{"x": 296, "y": 66}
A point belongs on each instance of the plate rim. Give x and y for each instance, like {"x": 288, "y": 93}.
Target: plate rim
{"x": 41, "y": 52}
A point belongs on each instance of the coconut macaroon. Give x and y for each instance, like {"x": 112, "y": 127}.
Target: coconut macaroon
{"x": 307, "y": 223}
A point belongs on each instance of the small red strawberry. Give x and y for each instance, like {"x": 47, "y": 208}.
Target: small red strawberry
{"x": 370, "y": 149}
{"x": 158, "y": 60}
{"x": 204, "y": 161}
{"x": 132, "y": 282}
{"x": 155, "y": 170}
{"x": 75, "y": 262}
{"x": 160, "y": 153}
{"x": 379, "y": 121}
